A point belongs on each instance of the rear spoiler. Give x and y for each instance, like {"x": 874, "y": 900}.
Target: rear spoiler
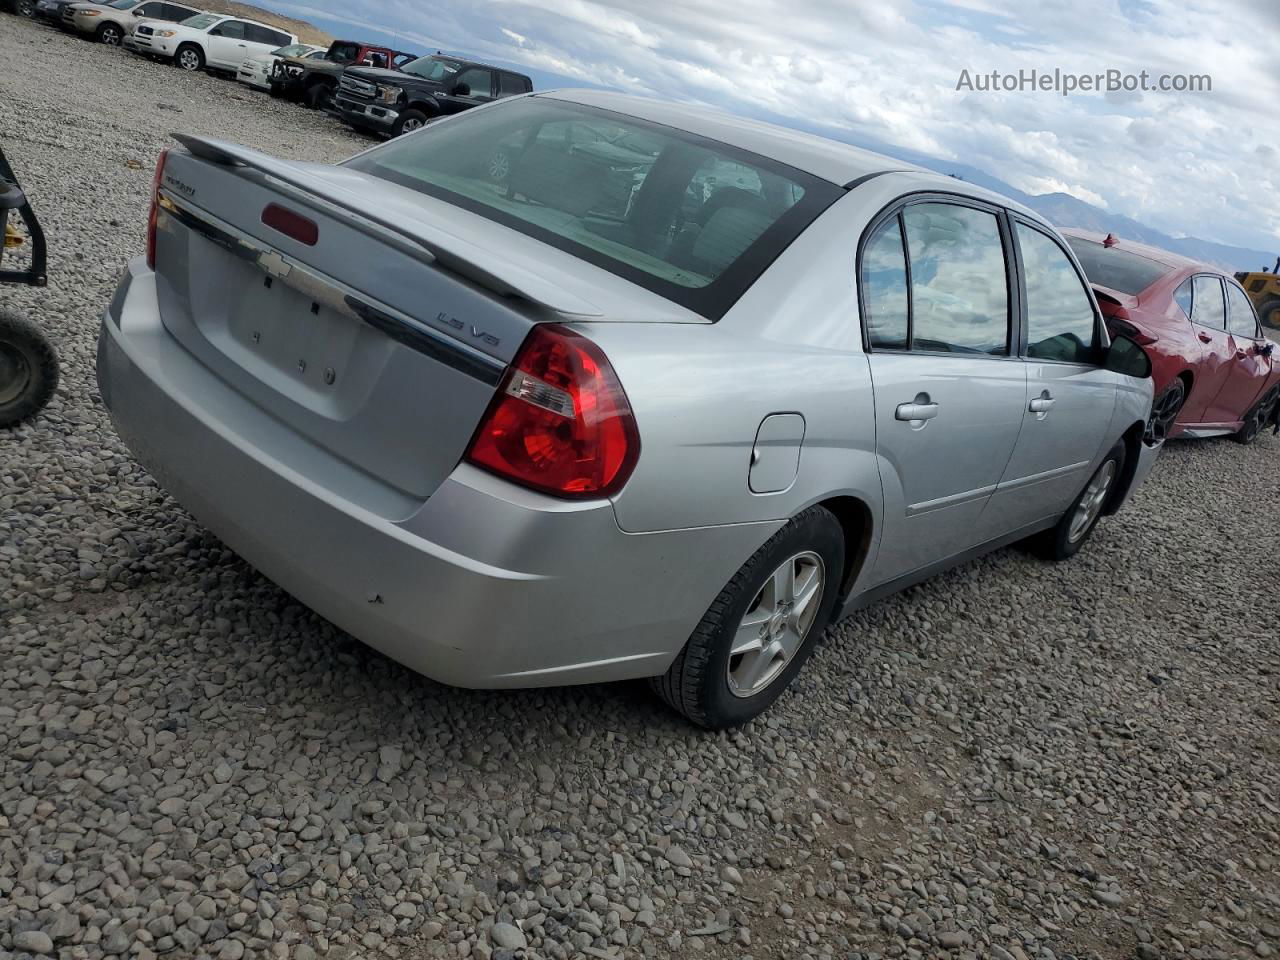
{"x": 442, "y": 249}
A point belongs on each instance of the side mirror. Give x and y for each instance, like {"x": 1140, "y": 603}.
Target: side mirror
{"x": 1266, "y": 348}
{"x": 1126, "y": 357}
{"x": 461, "y": 90}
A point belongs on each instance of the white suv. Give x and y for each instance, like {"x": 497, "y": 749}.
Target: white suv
{"x": 210, "y": 40}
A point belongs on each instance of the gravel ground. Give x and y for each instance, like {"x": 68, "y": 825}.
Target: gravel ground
{"x": 1013, "y": 760}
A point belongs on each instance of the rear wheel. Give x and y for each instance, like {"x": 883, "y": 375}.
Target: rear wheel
{"x": 1076, "y": 525}
{"x": 1256, "y": 420}
{"x": 189, "y": 58}
{"x": 28, "y": 370}
{"x": 1270, "y": 314}
{"x": 409, "y": 121}
{"x": 1165, "y": 410}
{"x": 110, "y": 34}
{"x": 761, "y": 628}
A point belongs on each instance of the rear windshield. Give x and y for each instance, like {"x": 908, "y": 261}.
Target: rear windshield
{"x": 691, "y": 219}
{"x": 1118, "y": 269}
{"x": 343, "y": 52}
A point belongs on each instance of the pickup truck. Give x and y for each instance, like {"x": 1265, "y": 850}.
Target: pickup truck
{"x": 393, "y": 102}
{"x": 313, "y": 81}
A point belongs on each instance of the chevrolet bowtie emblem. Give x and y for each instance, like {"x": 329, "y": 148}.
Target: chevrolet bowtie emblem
{"x": 274, "y": 264}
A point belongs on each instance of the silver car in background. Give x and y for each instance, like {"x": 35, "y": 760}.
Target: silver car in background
{"x": 579, "y": 387}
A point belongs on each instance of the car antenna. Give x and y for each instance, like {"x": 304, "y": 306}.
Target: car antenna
{"x": 1111, "y": 240}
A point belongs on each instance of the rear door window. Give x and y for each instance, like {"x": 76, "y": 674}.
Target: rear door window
{"x": 1208, "y": 309}
{"x": 959, "y": 284}
{"x": 1182, "y": 297}
{"x": 1241, "y": 320}
{"x": 1061, "y": 323}
{"x": 884, "y": 287}
{"x": 509, "y": 85}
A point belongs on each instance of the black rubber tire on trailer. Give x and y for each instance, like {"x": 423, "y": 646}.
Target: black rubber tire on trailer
{"x": 1064, "y": 540}
{"x": 110, "y": 34}
{"x": 28, "y": 369}
{"x": 697, "y": 684}
{"x": 414, "y": 119}
{"x": 191, "y": 64}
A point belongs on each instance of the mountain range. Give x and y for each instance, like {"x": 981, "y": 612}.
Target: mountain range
{"x": 1064, "y": 210}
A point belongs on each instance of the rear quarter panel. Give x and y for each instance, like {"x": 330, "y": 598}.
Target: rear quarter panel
{"x": 792, "y": 344}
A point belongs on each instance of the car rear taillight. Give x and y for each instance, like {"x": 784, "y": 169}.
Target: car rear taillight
{"x": 154, "y": 215}
{"x": 561, "y": 422}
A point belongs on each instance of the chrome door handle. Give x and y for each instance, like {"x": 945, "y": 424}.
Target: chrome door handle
{"x": 916, "y": 411}
{"x": 1041, "y": 405}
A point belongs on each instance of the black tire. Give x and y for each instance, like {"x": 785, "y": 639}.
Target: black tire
{"x": 189, "y": 63}
{"x": 1269, "y": 313}
{"x": 1257, "y": 419}
{"x": 28, "y": 370}
{"x": 318, "y": 96}
{"x": 697, "y": 683}
{"x": 412, "y": 118}
{"x": 1062, "y": 540}
{"x": 25, "y": 8}
{"x": 275, "y": 91}
{"x": 110, "y": 34}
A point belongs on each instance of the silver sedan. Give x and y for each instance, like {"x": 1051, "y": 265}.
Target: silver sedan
{"x": 577, "y": 387}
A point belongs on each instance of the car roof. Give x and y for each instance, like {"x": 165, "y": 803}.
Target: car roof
{"x": 1170, "y": 259}
{"x": 256, "y": 23}
{"x": 840, "y": 163}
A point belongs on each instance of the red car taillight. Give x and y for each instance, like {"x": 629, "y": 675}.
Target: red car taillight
{"x": 561, "y": 422}
{"x": 154, "y": 215}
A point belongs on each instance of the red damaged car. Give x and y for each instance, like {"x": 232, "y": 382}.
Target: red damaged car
{"x": 1214, "y": 369}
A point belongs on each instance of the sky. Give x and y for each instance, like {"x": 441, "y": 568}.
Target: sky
{"x": 885, "y": 73}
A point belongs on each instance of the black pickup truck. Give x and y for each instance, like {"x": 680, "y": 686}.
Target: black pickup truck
{"x": 393, "y": 102}
{"x": 314, "y": 81}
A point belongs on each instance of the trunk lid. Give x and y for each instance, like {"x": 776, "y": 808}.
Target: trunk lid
{"x": 383, "y": 340}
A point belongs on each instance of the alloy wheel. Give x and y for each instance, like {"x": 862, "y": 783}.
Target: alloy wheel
{"x": 1092, "y": 501}
{"x": 111, "y": 36}
{"x": 189, "y": 60}
{"x": 776, "y": 624}
{"x": 412, "y": 124}
{"x": 1165, "y": 410}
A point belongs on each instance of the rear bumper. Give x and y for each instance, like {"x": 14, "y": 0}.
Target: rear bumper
{"x": 365, "y": 114}
{"x": 482, "y": 585}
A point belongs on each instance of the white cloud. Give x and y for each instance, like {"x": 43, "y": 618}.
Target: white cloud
{"x": 1182, "y": 162}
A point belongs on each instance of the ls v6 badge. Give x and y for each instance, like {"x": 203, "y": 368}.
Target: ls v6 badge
{"x": 472, "y": 329}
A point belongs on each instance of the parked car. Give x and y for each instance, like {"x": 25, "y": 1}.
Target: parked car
{"x": 313, "y": 81}
{"x": 109, "y": 23}
{"x": 256, "y": 71}
{"x": 170, "y": 13}
{"x": 1214, "y": 369}
{"x": 1263, "y": 288}
{"x": 23, "y": 8}
{"x": 210, "y": 40}
{"x": 396, "y": 102}
{"x": 51, "y": 10}
{"x": 644, "y": 445}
